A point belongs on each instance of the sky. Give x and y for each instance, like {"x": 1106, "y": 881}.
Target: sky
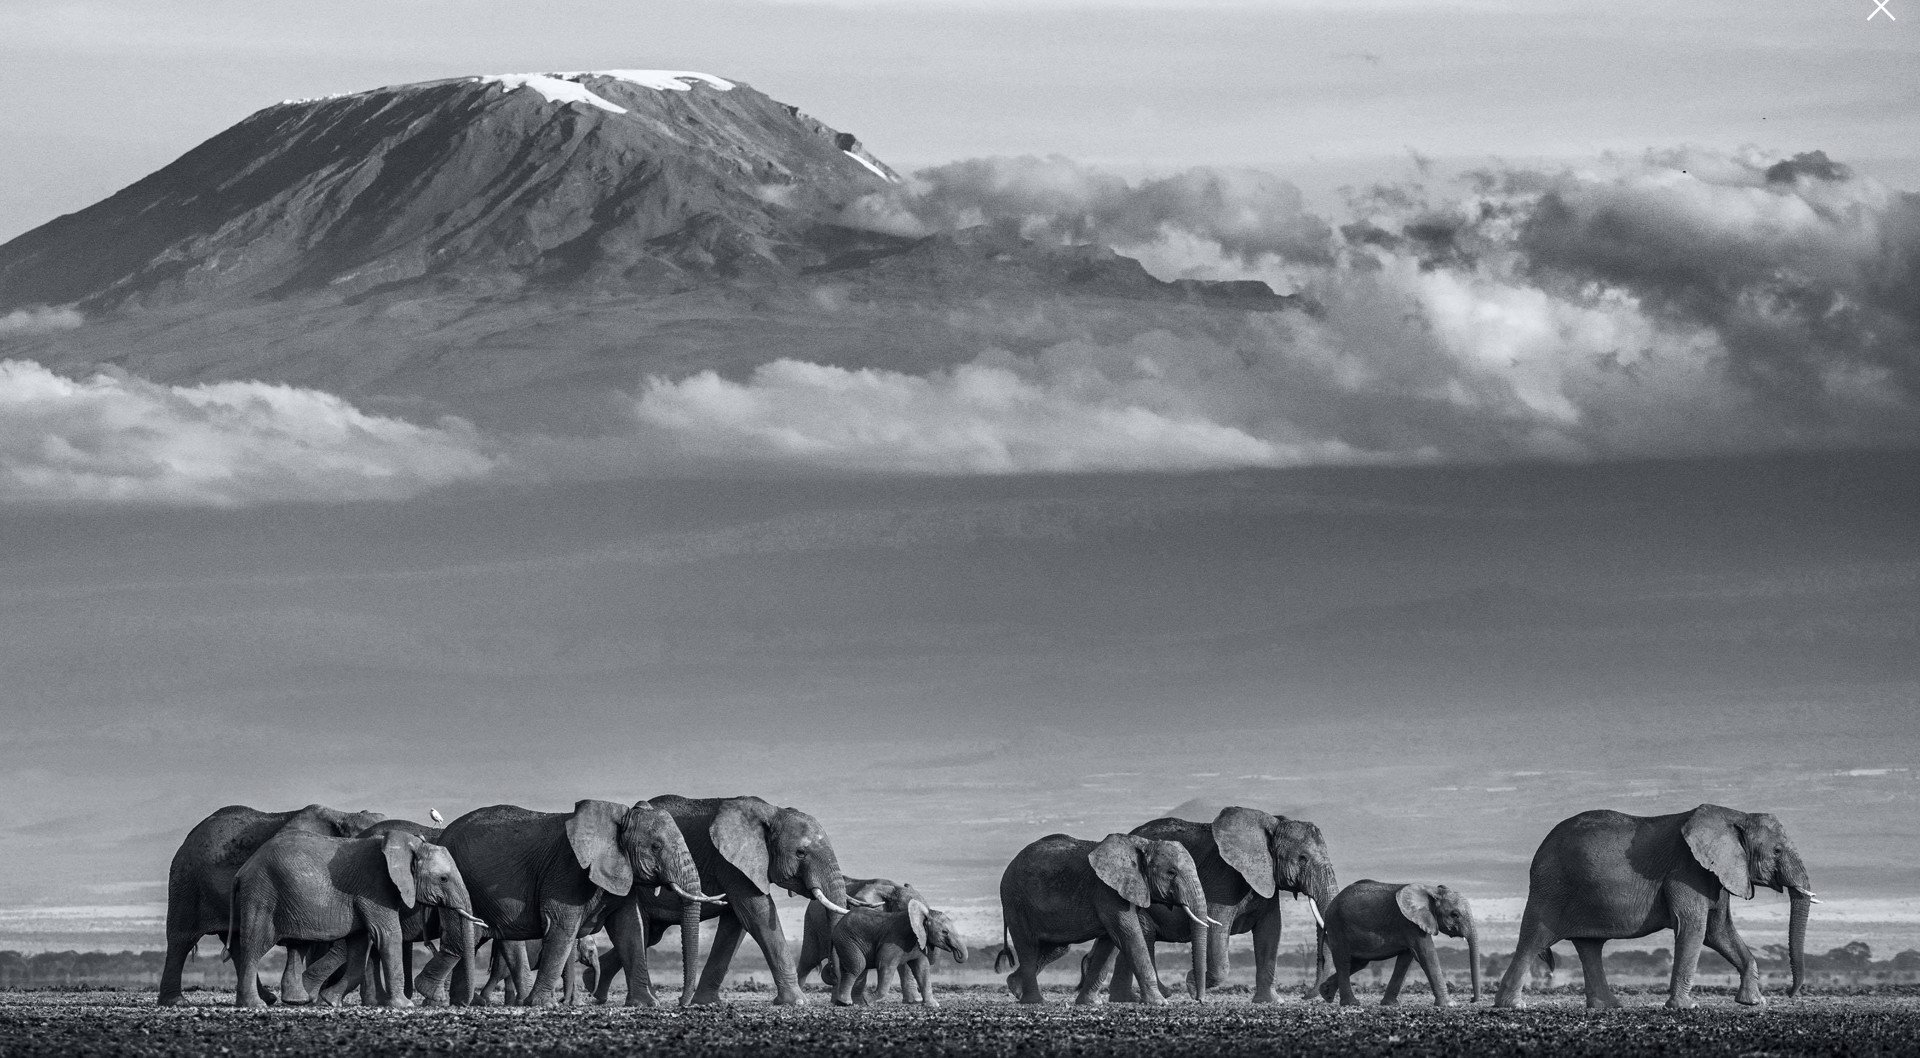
{"x": 1324, "y": 93}
{"x": 1435, "y": 567}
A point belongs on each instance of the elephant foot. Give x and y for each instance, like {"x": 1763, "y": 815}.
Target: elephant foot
{"x": 639, "y": 997}
{"x": 1267, "y": 998}
{"x": 1753, "y": 999}
{"x": 1606, "y": 1002}
{"x": 704, "y": 998}
{"x": 1086, "y": 999}
{"x": 1681, "y": 1003}
{"x": 1443, "y": 1002}
{"x": 1389, "y": 1001}
{"x": 170, "y": 1000}
{"x": 789, "y": 999}
{"x": 399, "y": 1003}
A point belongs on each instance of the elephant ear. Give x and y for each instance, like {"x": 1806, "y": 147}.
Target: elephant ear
{"x": 741, "y": 838}
{"x": 1713, "y": 836}
{"x": 1241, "y": 835}
{"x": 917, "y": 918}
{"x": 398, "y": 847}
{"x": 1117, "y": 861}
{"x": 594, "y": 832}
{"x": 1416, "y": 902}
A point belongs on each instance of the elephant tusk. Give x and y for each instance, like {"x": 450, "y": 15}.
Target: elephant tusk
{"x": 1314, "y": 906}
{"x": 469, "y": 916}
{"x": 1214, "y": 923}
{"x": 702, "y": 897}
{"x": 1202, "y": 921}
{"x": 828, "y": 904}
{"x": 857, "y": 902}
{"x": 1808, "y": 893}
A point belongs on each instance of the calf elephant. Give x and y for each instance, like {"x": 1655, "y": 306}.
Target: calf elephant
{"x": 309, "y": 887}
{"x": 330, "y": 976}
{"x": 1602, "y": 876}
{"x": 816, "y": 946}
{"x": 1372, "y": 920}
{"x": 1248, "y": 861}
{"x": 557, "y": 876}
{"x": 510, "y": 975}
{"x": 743, "y": 847}
{"x": 1062, "y": 890}
{"x": 890, "y": 942}
{"x": 200, "y": 879}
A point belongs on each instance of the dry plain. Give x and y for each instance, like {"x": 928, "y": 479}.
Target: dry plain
{"x": 972, "y": 1020}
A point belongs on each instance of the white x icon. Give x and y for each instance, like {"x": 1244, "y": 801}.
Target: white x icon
{"x": 1880, "y": 8}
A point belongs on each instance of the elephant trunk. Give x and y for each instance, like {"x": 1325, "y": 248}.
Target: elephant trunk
{"x": 1797, "y": 937}
{"x": 1323, "y": 890}
{"x": 686, "y": 878}
{"x": 1473, "y": 957}
{"x": 825, "y": 882}
{"x": 1193, "y": 898}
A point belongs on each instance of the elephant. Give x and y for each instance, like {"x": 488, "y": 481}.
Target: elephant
{"x": 1062, "y": 890}
{"x": 330, "y": 977}
{"x": 310, "y": 887}
{"x": 1603, "y": 875}
{"x": 200, "y": 879}
{"x": 1247, "y": 859}
{"x": 816, "y": 947}
{"x": 890, "y": 942}
{"x": 743, "y": 847}
{"x": 558, "y": 876}
{"x": 1370, "y": 920}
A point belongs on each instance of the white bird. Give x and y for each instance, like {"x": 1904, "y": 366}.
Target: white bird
{"x": 434, "y": 814}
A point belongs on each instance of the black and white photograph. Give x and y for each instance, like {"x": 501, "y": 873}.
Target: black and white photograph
{"x": 947, "y": 527}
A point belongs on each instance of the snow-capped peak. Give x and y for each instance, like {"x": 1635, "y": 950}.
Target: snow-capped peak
{"x": 568, "y": 87}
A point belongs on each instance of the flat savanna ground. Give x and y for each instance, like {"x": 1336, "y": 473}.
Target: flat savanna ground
{"x": 971, "y": 1020}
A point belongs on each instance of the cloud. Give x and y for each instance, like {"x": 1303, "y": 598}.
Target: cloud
{"x": 39, "y": 319}
{"x": 1071, "y": 409}
{"x": 116, "y": 439}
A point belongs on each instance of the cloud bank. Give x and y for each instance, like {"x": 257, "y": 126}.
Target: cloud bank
{"x": 39, "y": 320}
{"x": 112, "y": 438}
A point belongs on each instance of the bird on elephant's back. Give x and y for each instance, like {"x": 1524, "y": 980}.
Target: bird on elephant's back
{"x": 744, "y": 848}
{"x": 200, "y": 877}
{"x": 1605, "y": 875}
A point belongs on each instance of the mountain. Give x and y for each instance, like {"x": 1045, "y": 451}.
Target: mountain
{"x": 519, "y": 248}
{"x": 604, "y": 177}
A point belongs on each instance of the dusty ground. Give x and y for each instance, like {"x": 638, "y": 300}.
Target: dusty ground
{"x": 971, "y": 1021}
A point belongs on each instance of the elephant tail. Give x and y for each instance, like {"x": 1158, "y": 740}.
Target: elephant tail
{"x": 1006, "y": 960}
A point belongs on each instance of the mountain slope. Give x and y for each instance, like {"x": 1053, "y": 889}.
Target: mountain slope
{"x": 601, "y": 177}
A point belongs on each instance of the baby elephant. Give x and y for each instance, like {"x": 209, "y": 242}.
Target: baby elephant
{"x": 889, "y": 941}
{"x": 1372, "y": 920}
{"x": 312, "y": 887}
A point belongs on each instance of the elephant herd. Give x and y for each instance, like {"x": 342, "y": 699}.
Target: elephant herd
{"x": 348, "y": 894}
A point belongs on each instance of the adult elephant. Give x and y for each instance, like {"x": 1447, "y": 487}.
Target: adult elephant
{"x": 1603, "y": 875}
{"x": 816, "y": 934}
{"x": 329, "y": 977}
{"x": 557, "y": 876}
{"x": 743, "y": 847}
{"x": 200, "y": 879}
{"x": 1372, "y": 920}
{"x": 1248, "y": 860}
{"x": 1062, "y": 890}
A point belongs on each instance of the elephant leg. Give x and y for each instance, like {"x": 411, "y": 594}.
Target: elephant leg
{"x": 386, "y": 940}
{"x": 913, "y": 979}
{"x": 557, "y": 951}
{"x": 1218, "y": 961}
{"x": 851, "y": 988}
{"x": 1024, "y": 981}
{"x": 1095, "y": 965}
{"x": 179, "y": 947}
{"x": 1723, "y": 938}
{"x": 293, "y": 990}
{"x": 1594, "y": 968}
{"x": 1398, "y": 978}
{"x": 1345, "y": 978}
{"x": 1535, "y": 938}
{"x": 726, "y": 941}
{"x": 632, "y": 935}
{"x": 1691, "y": 909}
{"x": 320, "y": 971}
{"x": 352, "y": 968}
{"x": 1266, "y": 955}
{"x": 1423, "y": 950}
{"x": 761, "y": 919}
{"x": 1130, "y": 938}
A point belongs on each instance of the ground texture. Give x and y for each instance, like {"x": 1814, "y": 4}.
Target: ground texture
{"x": 971, "y": 1021}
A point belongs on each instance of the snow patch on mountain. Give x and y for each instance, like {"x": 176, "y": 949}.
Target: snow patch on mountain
{"x": 874, "y": 169}
{"x": 553, "y": 89}
{"x": 660, "y": 80}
